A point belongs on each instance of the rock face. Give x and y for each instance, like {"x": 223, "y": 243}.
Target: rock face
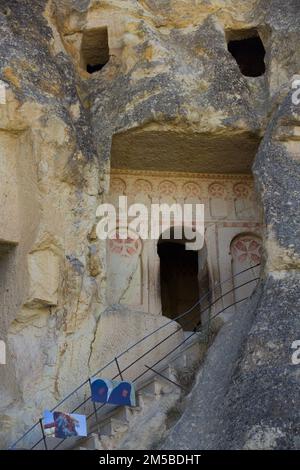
{"x": 119, "y": 329}
{"x": 170, "y": 97}
{"x": 238, "y": 402}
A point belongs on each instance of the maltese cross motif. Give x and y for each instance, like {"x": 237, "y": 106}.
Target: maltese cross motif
{"x": 247, "y": 249}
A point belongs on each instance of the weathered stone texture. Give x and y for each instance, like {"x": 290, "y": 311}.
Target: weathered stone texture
{"x": 170, "y": 98}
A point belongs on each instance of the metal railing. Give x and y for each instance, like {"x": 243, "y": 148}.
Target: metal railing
{"x": 37, "y": 428}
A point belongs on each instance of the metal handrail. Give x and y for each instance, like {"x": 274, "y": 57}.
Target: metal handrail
{"x": 202, "y": 298}
{"x": 156, "y": 363}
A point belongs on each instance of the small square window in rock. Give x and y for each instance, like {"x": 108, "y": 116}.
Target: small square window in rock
{"x": 94, "y": 49}
{"x": 248, "y": 50}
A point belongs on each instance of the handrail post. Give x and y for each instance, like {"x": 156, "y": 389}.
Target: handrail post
{"x": 95, "y": 411}
{"x": 118, "y": 367}
{"x": 43, "y": 433}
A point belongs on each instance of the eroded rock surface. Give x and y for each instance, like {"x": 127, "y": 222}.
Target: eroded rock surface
{"x": 171, "y": 97}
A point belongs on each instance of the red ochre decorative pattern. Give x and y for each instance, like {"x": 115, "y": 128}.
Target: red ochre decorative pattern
{"x": 247, "y": 248}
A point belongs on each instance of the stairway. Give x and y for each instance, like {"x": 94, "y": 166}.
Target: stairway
{"x": 143, "y": 426}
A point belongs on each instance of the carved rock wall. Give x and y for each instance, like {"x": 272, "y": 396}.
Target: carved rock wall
{"x": 170, "y": 84}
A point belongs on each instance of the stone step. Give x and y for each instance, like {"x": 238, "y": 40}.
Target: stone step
{"x": 118, "y": 420}
{"x": 92, "y": 442}
{"x": 126, "y": 413}
{"x": 146, "y": 399}
{"x": 154, "y": 387}
{"x": 113, "y": 426}
{"x": 167, "y": 370}
{"x": 192, "y": 354}
{"x": 179, "y": 358}
{"x": 176, "y": 360}
{"x": 121, "y": 413}
{"x": 109, "y": 442}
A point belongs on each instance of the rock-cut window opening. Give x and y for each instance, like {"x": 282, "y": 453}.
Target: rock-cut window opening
{"x": 94, "y": 49}
{"x": 248, "y": 50}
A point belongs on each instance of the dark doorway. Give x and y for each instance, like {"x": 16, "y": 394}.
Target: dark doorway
{"x": 179, "y": 282}
{"x": 94, "y": 49}
{"x": 249, "y": 52}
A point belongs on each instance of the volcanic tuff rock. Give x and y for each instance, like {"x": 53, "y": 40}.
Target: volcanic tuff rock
{"x": 171, "y": 97}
